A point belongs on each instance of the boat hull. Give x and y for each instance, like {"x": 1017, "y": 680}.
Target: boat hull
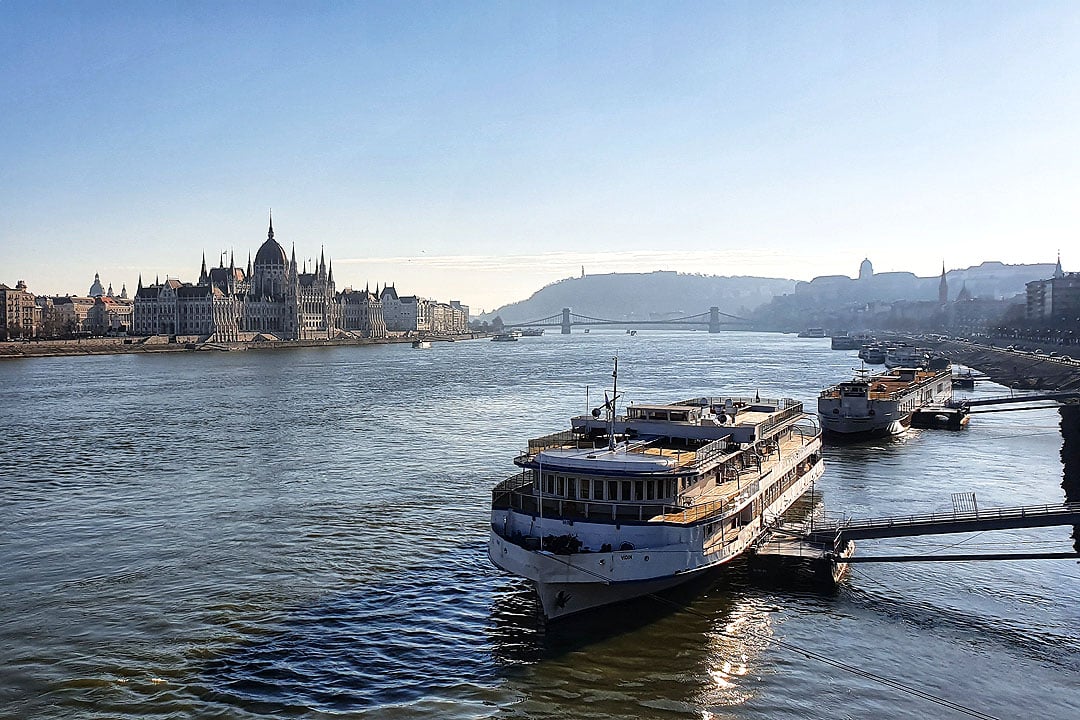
{"x": 864, "y": 426}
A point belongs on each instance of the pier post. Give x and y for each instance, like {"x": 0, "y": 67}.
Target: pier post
{"x": 1070, "y": 459}
{"x": 566, "y": 321}
{"x": 714, "y": 319}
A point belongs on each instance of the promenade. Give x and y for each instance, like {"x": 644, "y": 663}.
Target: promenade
{"x": 162, "y": 344}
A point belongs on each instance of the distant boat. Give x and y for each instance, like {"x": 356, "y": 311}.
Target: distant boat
{"x": 423, "y": 344}
{"x": 504, "y": 337}
{"x": 532, "y": 332}
{"x": 813, "y": 333}
{"x": 881, "y": 404}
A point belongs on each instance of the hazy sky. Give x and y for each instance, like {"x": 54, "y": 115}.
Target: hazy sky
{"x": 478, "y": 151}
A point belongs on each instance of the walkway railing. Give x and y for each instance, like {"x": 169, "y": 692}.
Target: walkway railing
{"x": 948, "y": 522}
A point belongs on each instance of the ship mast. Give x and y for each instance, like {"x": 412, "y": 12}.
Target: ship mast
{"x": 611, "y": 407}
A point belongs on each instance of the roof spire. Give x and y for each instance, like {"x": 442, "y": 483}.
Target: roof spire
{"x": 270, "y": 234}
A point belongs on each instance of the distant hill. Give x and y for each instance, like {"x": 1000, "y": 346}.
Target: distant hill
{"x": 645, "y": 296}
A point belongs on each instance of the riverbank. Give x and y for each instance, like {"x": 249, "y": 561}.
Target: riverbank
{"x": 163, "y": 344}
{"x": 1014, "y": 369}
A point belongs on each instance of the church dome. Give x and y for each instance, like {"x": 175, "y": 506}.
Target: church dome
{"x": 271, "y": 252}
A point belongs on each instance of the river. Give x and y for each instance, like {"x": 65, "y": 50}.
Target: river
{"x": 301, "y": 533}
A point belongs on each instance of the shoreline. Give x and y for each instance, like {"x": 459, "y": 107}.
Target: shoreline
{"x": 159, "y": 344}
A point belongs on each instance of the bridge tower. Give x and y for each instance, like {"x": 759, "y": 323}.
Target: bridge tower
{"x": 566, "y": 321}
{"x": 714, "y": 319}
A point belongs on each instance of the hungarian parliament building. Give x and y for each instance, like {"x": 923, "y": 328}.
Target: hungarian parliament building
{"x": 274, "y": 299}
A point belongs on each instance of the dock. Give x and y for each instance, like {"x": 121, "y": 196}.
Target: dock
{"x": 826, "y": 549}
{"x": 941, "y": 416}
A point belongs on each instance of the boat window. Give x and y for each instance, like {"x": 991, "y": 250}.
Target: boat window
{"x": 584, "y": 489}
{"x": 560, "y": 485}
{"x": 679, "y": 416}
{"x": 639, "y": 489}
{"x": 650, "y": 489}
{"x": 626, "y": 494}
{"x": 612, "y": 489}
{"x": 598, "y": 489}
{"x": 571, "y": 487}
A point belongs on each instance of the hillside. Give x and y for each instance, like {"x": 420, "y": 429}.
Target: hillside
{"x": 645, "y": 296}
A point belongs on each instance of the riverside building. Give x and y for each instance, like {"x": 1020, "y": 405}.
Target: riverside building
{"x": 273, "y": 298}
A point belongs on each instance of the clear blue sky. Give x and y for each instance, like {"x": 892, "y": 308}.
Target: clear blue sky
{"x": 477, "y": 151}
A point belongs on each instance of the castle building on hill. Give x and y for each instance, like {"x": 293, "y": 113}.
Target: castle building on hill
{"x": 273, "y": 298}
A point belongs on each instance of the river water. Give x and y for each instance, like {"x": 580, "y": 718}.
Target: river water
{"x": 301, "y": 533}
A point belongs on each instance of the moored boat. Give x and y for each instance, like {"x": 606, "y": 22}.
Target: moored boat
{"x": 872, "y": 353}
{"x": 845, "y": 342}
{"x": 622, "y": 506}
{"x": 504, "y": 337}
{"x": 881, "y": 404}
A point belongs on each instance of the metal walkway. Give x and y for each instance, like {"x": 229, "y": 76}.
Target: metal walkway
{"x": 838, "y": 533}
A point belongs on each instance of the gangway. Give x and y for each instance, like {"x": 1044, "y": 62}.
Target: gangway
{"x": 826, "y": 548}
{"x": 978, "y": 520}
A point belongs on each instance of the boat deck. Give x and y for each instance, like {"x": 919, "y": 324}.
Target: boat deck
{"x": 713, "y": 499}
{"x": 885, "y": 387}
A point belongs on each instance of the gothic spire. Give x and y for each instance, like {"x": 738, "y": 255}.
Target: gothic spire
{"x": 270, "y": 234}
{"x": 140, "y": 282}
{"x": 330, "y": 275}
{"x": 202, "y": 273}
{"x": 248, "y": 273}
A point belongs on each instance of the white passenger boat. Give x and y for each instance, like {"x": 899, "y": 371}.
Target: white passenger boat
{"x": 905, "y": 356}
{"x": 872, "y": 354}
{"x": 618, "y": 507}
{"x": 882, "y": 404}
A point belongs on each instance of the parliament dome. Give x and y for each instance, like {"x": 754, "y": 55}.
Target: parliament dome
{"x": 271, "y": 252}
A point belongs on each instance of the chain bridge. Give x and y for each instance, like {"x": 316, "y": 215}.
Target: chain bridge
{"x": 568, "y": 319}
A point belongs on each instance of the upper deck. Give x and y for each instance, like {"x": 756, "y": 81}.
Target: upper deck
{"x": 741, "y": 420}
{"x": 891, "y": 385}
{"x": 680, "y": 438}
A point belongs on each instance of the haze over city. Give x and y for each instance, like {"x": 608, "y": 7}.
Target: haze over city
{"x": 479, "y": 151}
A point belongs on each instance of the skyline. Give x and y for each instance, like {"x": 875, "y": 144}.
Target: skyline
{"x": 478, "y": 152}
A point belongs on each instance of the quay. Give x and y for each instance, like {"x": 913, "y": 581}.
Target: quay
{"x": 164, "y": 344}
{"x": 1011, "y": 368}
